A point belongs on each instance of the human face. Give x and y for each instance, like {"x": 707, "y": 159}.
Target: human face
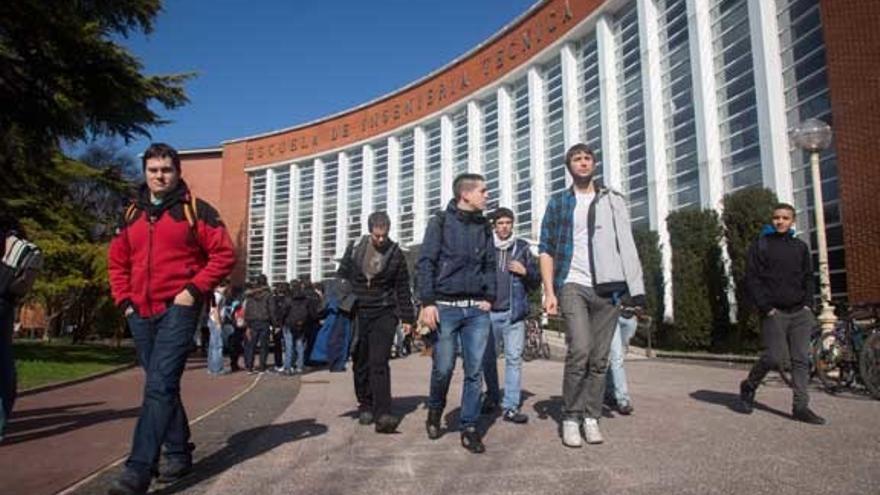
{"x": 475, "y": 199}
{"x": 161, "y": 176}
{"x": 582, "y": 167}
{"x": 783, "y": 219}
{"x": 503, "y": 227}
{"x": 379, "y": 236}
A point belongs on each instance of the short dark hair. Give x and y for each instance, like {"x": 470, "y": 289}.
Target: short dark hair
{"x": 465, "y": 182}
{"x": 575, "y": 149}
{"x": 378, "y": 219}
{"x": 161, "y": 150}
{"x": 786, "y": 206}
{"x": 503, "y": 212}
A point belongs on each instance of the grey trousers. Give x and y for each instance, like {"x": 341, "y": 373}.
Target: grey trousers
{"x": 786, "y": 338}
{"x": 589, "y": 326}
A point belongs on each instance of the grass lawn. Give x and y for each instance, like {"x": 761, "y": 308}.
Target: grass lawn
{"x": 41, "y": 363}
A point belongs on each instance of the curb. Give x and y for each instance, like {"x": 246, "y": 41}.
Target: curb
{"x": 56, "y": 385}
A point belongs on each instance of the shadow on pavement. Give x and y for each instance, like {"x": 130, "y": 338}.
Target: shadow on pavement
{"x": 35, "y": 424}
{"x": 732, "y": 402}
{"x": 401, "y": 406}
{"x": 243, "y": 446}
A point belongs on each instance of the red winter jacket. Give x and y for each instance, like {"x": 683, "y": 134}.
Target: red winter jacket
{"x": 155, "y": 254}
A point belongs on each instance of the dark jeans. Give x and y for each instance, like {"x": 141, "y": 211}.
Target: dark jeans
{"x": 236, "y": 347}
{"x": 786, "y": 338}
{"x": 162, "y": 343}
{"x": 8, "y": 380}
{"x": 277, "y": 346}
{"x": 372, "y": 375}
{"x": 590, "y": 321}
{"x": 259, "y": 334}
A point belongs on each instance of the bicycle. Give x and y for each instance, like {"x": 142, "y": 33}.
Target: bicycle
{"x": 849, "y": 355}
{"x": 536, "y": 346}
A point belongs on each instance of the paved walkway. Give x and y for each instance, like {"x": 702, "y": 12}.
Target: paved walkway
{"x": 58, "y": 437}
{"x": 683, "y": 438}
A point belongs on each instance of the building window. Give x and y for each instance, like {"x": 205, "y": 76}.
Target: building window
{"x": 805, "y": 79}
{"x": 460, "y": 142}
{"x": 305, "y": 208}
{"x": 406, "y": 208}
{"x": 554, "y": 134}
{"x": 433, "y": 199}
{"x": 630, "y": 109}
{"x": 329, "y": 195}
{"x": 279, "y": 228}
{"x": 589, "y": 97}
{"x": 256, "y": 224}
{"x": 522, "y": 160}
{"x": 355, "y": 193}
{"x": 682, "y": 162}
{"x": 489, "y": 150}
{"x": 380, "y": 177}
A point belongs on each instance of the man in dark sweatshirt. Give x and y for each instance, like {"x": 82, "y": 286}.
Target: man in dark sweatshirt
{"x": 779, "y": 280}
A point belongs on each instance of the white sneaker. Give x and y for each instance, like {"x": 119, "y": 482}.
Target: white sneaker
{"x": 591, "y": 431}
{"x": 571, "y": 433}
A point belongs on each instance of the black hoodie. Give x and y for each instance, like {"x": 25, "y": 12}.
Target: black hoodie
{"x": 779, "y": 273}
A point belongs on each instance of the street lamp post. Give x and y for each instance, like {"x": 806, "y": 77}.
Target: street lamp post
{"x": 814, "y": 135}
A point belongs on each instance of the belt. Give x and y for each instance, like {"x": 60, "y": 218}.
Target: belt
{"x": 460, "y": 303}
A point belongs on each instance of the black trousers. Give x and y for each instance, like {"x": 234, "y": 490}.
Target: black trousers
{"x": 277, "y": 346}
{"x": 259, "y": 334}
{"x": 372, "y": 375}
{"x": 786, "y": 338}
{"x": 236, "y": 347}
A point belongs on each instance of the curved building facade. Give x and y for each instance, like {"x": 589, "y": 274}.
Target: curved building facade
{"x": 684, "y": 101}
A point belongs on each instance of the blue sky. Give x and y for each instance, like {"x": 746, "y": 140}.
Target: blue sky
{"x": 267, "y": 65}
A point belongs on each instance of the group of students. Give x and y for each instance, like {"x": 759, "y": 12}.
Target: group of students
{"x": 472, "y": 277}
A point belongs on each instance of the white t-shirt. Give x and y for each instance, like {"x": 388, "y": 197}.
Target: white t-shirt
{"x": 580, "y": 272}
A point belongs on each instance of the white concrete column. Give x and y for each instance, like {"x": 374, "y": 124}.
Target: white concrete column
{"x": 317, "y": 219}
{"x": 394, "y": 185}
{"x": 446, "y": 171}
{"x": 570, "y": 114}
{"x": 606, "y": 47}
{"x": 655, "y": 139}
{"x": 475, "y": 137}
{"x": 705, "y": 103}
{"x": 369, "y": 157}
{"x": 296, "y": 235}
{"x": 342, "y": 205}
{"x": 269, "y": 224}
{"x": 420, "y": 209}
{"x": 505, "y": 147}
{"x": 770, "y": 97}
{"x": 536, "y": 148}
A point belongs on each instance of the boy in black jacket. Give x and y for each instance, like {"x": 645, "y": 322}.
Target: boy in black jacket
{"x": 779, "y": 279}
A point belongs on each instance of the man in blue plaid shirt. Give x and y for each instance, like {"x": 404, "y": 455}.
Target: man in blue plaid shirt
{"x": 589, "y": 264}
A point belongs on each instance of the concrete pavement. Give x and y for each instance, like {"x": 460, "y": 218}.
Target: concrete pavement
{"x": 684, "y": 437}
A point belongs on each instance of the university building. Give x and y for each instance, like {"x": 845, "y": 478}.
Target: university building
{"x": 684, "y": 101}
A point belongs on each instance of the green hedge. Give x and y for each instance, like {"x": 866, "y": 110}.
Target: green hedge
{"x": 648, "y": 246}
{"x": 699, "y": 282}
{"x": 745, "y": 212}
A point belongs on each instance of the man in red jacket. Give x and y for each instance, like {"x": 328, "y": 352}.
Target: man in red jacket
{"x": 168, "y": 255}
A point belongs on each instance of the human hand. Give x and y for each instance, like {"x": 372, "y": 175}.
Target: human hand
{"x": 407, "y": 329}
{"x": 771, "y": 312}
{"x": 516, "y": 267}
{"x": 484, "y": 305}
{"x": 430, "y": 317}
{"x": 551, "y": 305}
{"x": 184, "y": 298}
{"x": 129, "y": 311}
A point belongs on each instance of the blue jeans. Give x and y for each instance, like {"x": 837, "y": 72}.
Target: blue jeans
{"x": 470, "y": 326}
{"x": 162, "y": 343}
{"x": 215, "y": 348}
{"x": 513, "y": 337}
{"x": 615, "y": 387}
{"x": 293, "y": 344}
{"x": 259, "y": 335}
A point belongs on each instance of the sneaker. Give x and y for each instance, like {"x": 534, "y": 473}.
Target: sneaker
{"x": 489, "y": 407}
{"x": 174, "y": 470}
{"x": 129, "y": 482}
{"x": 746, "y": 397}
{"x": 625, "y": 407}
{"x": 571, "y": 433}
{"x": 805, "y": 415}
{"x": 279, "y": 369}
{"x": 387, "y": 423}
{"x": 432, "y": 425}
{"x": 365, "y": 417}
{"x": 514, "y": 416}
{"x": 471, "y": 440}
{"x": 591, "y": 431}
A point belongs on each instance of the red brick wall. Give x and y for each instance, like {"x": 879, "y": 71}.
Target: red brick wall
{"x": 203, "y": 173}
{"x": 852, "y": 39}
